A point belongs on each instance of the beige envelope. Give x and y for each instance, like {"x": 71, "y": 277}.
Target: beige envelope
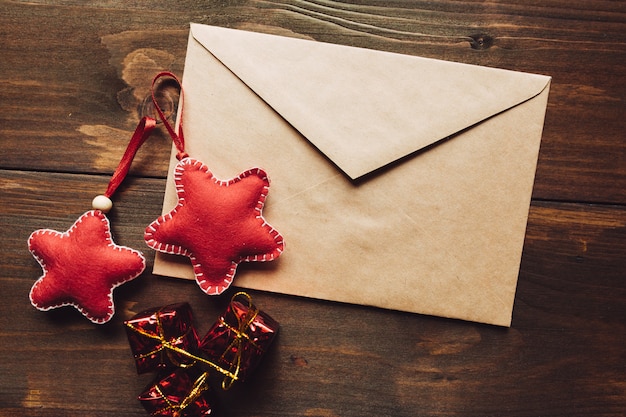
{"x": 397, "y": 181}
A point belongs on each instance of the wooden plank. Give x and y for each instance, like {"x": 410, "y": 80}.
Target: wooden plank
{"x": 74, "y": 77}
{"x": 75, "y": 74}
{"x": 563, "y": 355}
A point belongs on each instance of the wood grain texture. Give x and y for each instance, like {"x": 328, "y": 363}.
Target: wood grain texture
{"x": 564, "y": 349}
{"x": 75, "y": 74}
{"x": 96, "y": 60}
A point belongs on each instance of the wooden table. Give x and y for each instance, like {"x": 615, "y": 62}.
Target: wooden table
{"x": 74, "y": 74}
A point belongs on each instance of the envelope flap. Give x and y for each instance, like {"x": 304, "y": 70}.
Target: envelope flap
{"x": 362, "y": 108}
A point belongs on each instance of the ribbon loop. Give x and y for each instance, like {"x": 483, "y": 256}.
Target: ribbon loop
{"x": 240, "y": 340}
{"x": 175, "y": 134}
{"x": 143, "y": 130}
{"x": 241, "y": 337}
{"x": 199, "y": 386}
{"x": 167, "y": 347}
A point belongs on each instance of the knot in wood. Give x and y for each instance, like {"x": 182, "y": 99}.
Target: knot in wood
{"x": 481, "y": 41}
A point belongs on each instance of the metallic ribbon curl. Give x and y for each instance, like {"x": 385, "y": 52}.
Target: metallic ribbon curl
{"x": 243, "y": 323}
{"x": 168, "y": 347}
{"x": 199, "y": 386}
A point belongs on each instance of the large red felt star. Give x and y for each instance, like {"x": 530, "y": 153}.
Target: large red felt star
{"x": 82, "y": 266}
{"x": 217, "y": 224}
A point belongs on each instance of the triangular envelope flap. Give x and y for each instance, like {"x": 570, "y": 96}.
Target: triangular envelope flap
{"x": 362, "y": 108}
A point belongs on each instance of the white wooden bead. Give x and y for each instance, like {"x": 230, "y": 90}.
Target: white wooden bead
{"x": 102, "y": 203}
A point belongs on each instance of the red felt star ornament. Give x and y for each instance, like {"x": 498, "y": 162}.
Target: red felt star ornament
{"x": 217, "y": 224}
{"x": 82, "y": 266}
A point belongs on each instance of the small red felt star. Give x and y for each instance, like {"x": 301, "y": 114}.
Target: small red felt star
{"x": 217, "y": 224}
{"x": 82, "y": 266}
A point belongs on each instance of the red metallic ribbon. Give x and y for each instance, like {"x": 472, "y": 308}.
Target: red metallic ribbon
{"x": 176, "y": 135}
{"x": 142, "y": 132}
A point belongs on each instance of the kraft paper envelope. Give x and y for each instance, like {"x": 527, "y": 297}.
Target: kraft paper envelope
{"x": 397, "y": 181}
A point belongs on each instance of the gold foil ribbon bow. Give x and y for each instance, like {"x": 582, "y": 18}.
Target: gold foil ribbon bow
{"x": 241, "y": 337}
{"x": 230, "y": 375}
{"x": 165, "y": 346}
{"x": 168, "y": 347}
{"x": 199, "y": 386}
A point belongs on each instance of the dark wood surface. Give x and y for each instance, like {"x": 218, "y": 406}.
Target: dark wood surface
{"x": 74, "y": 73}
